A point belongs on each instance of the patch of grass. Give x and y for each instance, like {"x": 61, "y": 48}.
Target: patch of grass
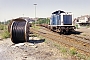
{"x": 36, "y": 27}
{"x": 3, "y": 31}
{"x": 88, "y": 26}
{"x": 5, "y": 34}
{"x": 72, "y": 51}
{"x": 88, "y": 58}
{"x": 33, "y": 35}
{"x": 2, "y": 27}
{"x": 76, "y": 26}
{"x": 84, "y": 34}
{"x": 63, "y": 50}
{"x": 56, "y": 45}
{"x": 81, "y": 56}
{"x": 40, "y": 37}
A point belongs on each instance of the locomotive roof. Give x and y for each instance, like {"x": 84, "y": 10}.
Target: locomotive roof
{"x": 58, "y": 12}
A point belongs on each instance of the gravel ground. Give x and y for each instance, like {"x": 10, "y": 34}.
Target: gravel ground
{"x": 85, "y": 32}
{"x": 35, "y": 49}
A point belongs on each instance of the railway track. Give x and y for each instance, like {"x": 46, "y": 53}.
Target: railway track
{"x": 81, "y": 45}
{"x": 83, "y": 38}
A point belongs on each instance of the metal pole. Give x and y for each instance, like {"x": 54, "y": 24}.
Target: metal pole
{"x": 4, "y": 23}
{"x": 23, "y": 15}
{"x": 35, "y": 10}
{"x": 35, "y": 13}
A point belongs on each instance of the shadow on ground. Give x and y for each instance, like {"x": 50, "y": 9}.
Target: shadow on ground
{"x": 74, "y": 32}
{"x": 36, "y": 41}
{"x": 77, "y": 32}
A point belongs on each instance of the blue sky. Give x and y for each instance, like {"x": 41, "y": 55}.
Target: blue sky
{"x": 16, "y": 8}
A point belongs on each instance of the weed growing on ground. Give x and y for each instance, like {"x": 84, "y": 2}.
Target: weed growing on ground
{"x": 2, "y": 27}
{"x": 81, "y": 56}
{"x": 63, "y": 50}
{"x": 72, "y": 51}
{"x": 5, "y": 34}
{"x": 36, "y": 27}
{"x": 88, "y": 58}
{"x": 84, "y": 34}
{"x": 88, "y": 26}
{"x": 33, "y": 35}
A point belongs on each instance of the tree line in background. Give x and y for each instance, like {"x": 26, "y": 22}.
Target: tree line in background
{"x": 6, "y": 22}
{"x": 43, "y": 21}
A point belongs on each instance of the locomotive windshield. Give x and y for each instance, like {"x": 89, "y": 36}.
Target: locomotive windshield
{"x": 67, "y": 19}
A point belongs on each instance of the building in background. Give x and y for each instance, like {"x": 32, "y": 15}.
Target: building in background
{"x": 82, "y": 21}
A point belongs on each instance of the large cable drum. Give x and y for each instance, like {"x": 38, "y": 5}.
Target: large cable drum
{"x": 19, "y": 30}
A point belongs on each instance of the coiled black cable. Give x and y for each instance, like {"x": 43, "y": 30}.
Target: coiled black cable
{"x": 19, "y": 31}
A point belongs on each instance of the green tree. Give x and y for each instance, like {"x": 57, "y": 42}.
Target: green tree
{"x": 43, "y": 21}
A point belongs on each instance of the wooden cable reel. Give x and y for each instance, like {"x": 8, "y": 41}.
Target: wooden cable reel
{"x": 19, "y": 30}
